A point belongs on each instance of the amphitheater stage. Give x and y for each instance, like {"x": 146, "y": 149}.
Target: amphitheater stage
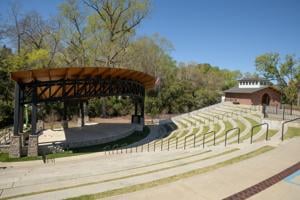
{"x": 90, "y": 134}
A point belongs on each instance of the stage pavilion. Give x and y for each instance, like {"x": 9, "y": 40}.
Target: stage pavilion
{"x": 75, "y": 84}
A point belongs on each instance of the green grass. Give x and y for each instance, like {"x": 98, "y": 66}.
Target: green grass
{"x": 204, "y": 116}
{"x": 228, "y": 126}
{"x": 242, "y": 128}
{"x": 174, "y": 178}
{"x": 196, "y": 119}
{"x": 195, "y": 130}
{"x": 135, "y": 137}
{"x": 256, "y": 130}
{"x": 189, "y": 121}
{"x": 292, "y": 132}
{"x": 181, "y": 123}
{"x": 271, "y": 133}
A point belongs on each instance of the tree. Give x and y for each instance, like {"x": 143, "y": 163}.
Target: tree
{"x": 73, "y": 31}
{"x": 115, "y": 23}
{"x": 284, "y": 73}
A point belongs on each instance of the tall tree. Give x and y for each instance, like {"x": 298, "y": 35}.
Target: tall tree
{"x": 284, "y": 73}
{"x": 115, "y": 22}
{"x": 73, "y": 31}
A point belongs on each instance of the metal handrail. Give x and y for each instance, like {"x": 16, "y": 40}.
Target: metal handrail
{"x": 236, "y": 128}
{"x": 282, "y": 129}
{"x": 105, "y": 148}
{"x": 188, "y": 137}
{"x": 155, "y": 145}
{"x": 251, "y": 140}
{"x": 203, "y": 142}
{"x": 148, "y": 146}
{"x": 122, "y": 147}
{"x": 169, "y": 142}
{"x": 114, "y": 147}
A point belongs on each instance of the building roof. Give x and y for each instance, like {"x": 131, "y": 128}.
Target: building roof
{"x": 72, "y": 73}
{"x": 247, "y": 90}
{"x": 253, "y": 79}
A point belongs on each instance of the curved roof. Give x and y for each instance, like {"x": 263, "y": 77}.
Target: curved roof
{"x": 72, "y": 73}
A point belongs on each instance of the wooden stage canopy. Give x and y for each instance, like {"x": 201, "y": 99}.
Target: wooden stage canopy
{"x": 76, "y": 84}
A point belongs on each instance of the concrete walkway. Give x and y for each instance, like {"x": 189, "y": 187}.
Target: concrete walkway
{"x": 228, "y": 180}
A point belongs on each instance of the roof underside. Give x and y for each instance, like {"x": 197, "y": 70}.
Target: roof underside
{"x": 247, "y": 90}
{"x": 73, "y": 73}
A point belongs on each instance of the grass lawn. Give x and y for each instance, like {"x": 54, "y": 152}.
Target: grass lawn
{"x": 271, "y": 133}
{"x": 242, "y": 128}
{"x": 135, "y": 137}
{"x": 255, "y": 131}
{"x": 292, "y": 132}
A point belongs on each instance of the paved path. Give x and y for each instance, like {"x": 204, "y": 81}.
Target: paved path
{"x": 226, "y": 181}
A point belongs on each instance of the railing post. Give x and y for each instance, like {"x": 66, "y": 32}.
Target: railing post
{"x": 194, "y": 140}
{"x": 214, "y": 138}
{"x": 239, "y": 132}
{"x": 136, "y": 149}
{"x": 154, "y": 146}
{"x": 226, "y": 138}
{"x": 282, "y": 128}
{"x": 203, "y": 141}
{"x": 184, "y": 142}
{"x": 251, "y": 134}
{"x": 148, "y": 146}
{"x": 283, "y": 112}
{"x": 176, "y": 142}
{"x": 267, "y": 132}
{"x": 161, "y": 146}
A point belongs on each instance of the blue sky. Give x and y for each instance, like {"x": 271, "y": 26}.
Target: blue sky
{"x": 225, "y": 33}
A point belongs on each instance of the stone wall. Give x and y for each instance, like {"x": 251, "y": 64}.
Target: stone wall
{"x": 4, "y": 148}
{"x": 32, "y": 146}
{"x": 15, "y": 147}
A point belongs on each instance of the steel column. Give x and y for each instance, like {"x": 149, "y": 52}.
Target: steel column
{"x": 81, "y": 113}
{"x": 16, "y": 109}
{"x": 34, "y": 111}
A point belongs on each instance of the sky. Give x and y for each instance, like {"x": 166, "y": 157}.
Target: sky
{"x": 225, "y": 33}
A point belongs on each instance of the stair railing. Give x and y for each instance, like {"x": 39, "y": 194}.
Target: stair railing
{"x": 283, "y": 124}
{"x": 236, "y": 128}
{"x": 258, "y": 125}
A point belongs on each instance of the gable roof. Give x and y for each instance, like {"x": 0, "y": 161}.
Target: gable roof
{"x": 247, "y": 90}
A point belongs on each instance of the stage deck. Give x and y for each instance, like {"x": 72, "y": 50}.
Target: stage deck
{"x": 90, "y": 132}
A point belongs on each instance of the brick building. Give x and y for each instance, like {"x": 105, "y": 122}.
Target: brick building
{"x": 253, "y": 91}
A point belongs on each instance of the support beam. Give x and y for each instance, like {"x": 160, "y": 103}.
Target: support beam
{"x": 135, "y": 107}
{"x": 17, "y": 109}
{"x": 65, "y": 111}
{"x": 21, "y": 118}
{"x": 81, "y": 113}
{"x": 142, "y": 117}
{"x": 34, "y": 111}
{"x": 65, "y": 114}
{"x": 86, "y": 111}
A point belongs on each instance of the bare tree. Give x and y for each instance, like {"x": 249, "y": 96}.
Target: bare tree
{"x": 117, "y": 20}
